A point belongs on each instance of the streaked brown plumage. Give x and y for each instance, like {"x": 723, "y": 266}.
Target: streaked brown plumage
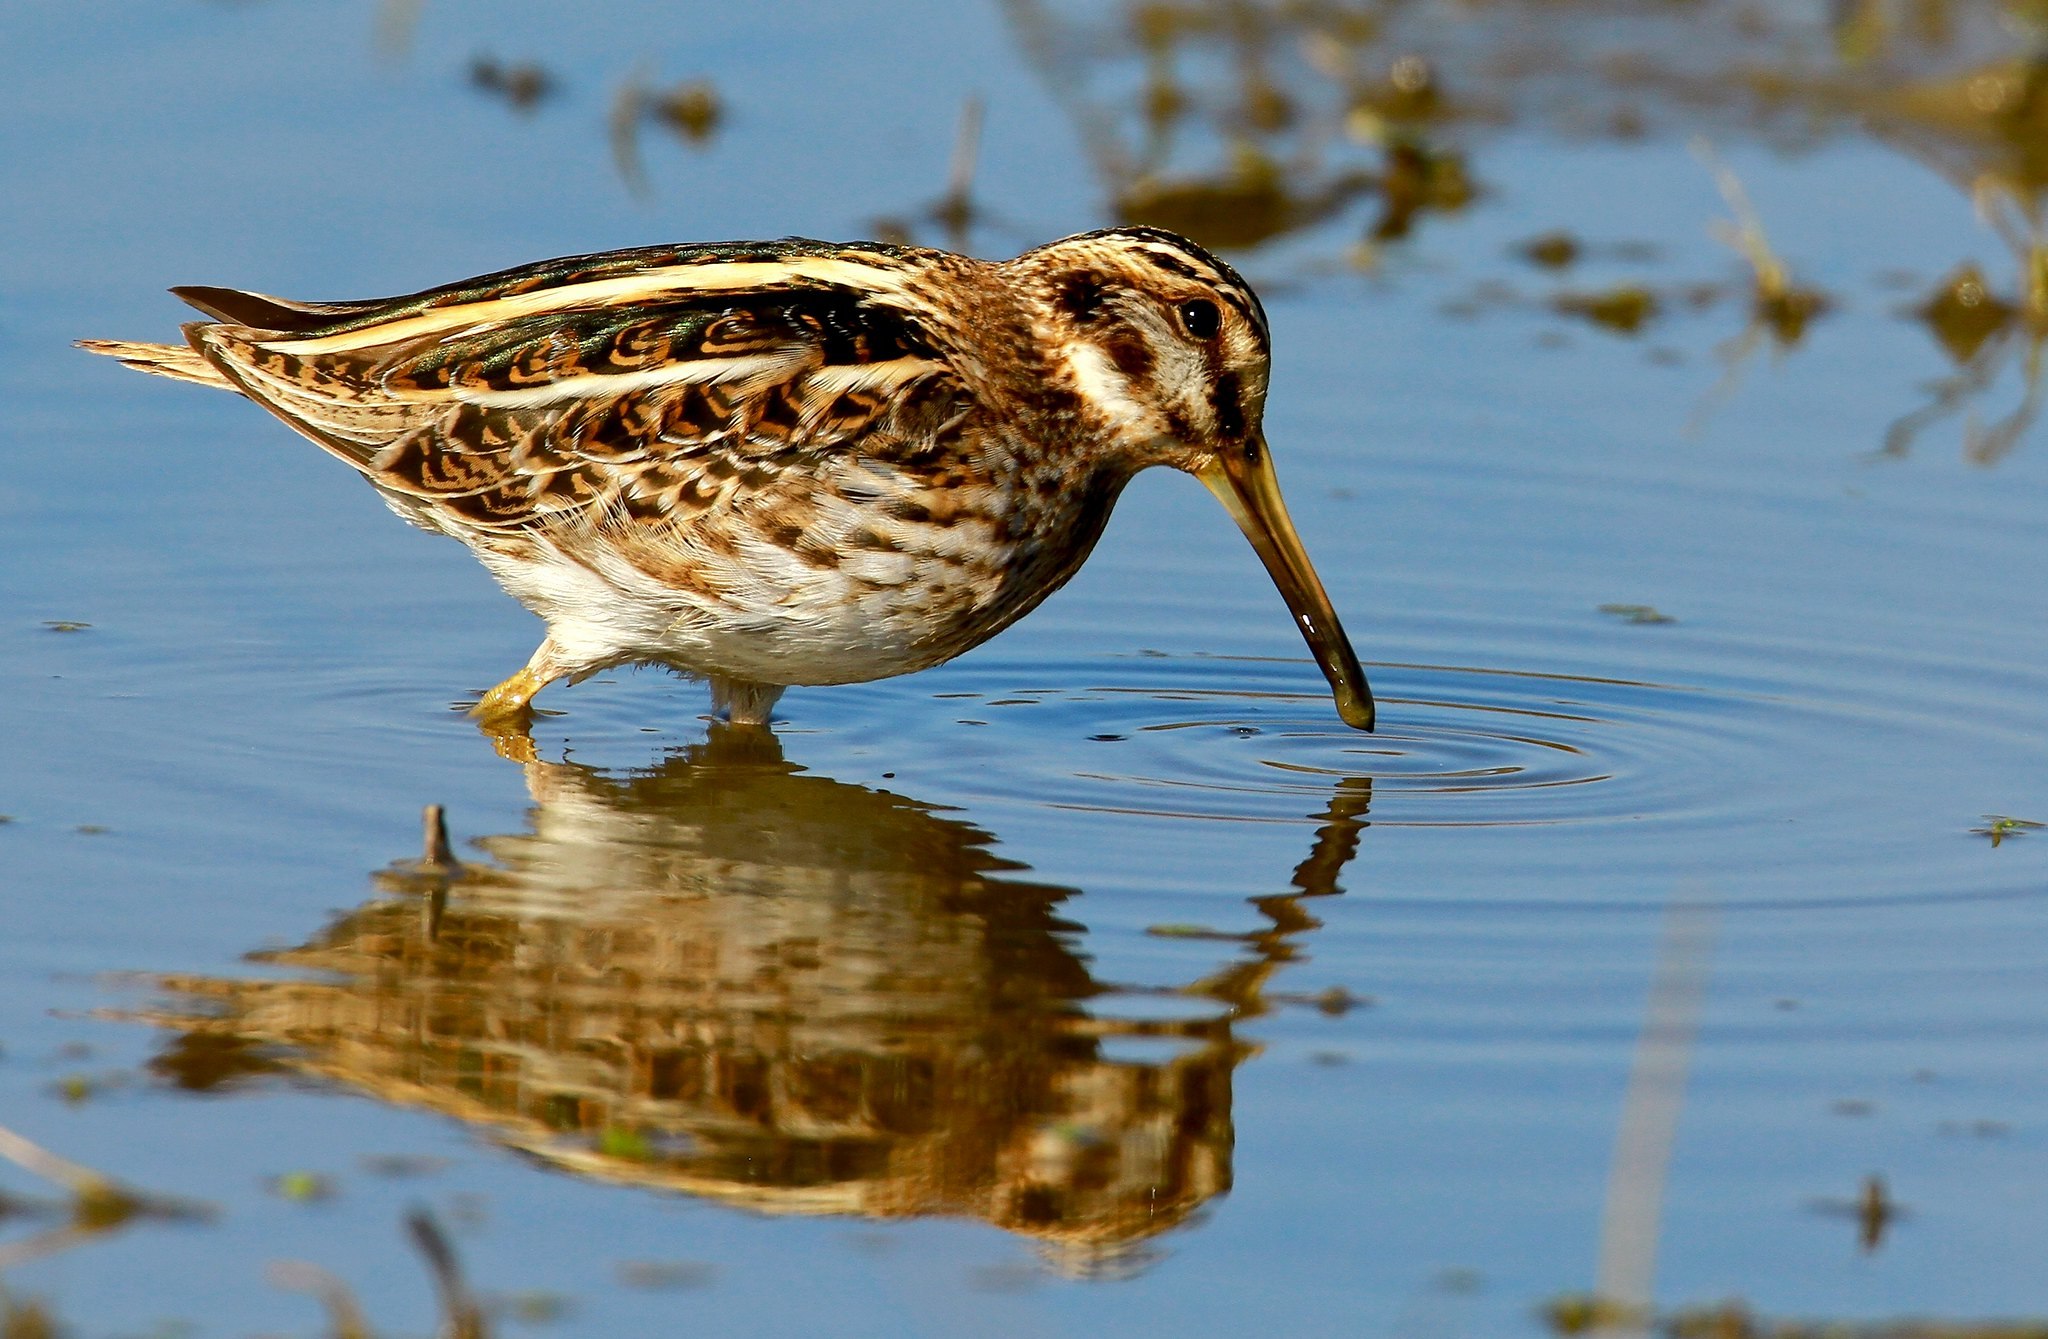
{"x": 775, "y": 463}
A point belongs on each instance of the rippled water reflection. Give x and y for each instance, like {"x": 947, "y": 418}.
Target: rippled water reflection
{"x": 723, "y": 977}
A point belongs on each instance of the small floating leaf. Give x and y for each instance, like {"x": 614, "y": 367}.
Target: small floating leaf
{"x": 1998, "y": 827}
{"x": 302, "y": 1187}
{"x": 1551, "y": 250}
{"x": 1637, "y": 613}
{"x": 1624, "y": 308}
{"x": 1963, "y": 313}
{"x": 75, "y": 1088}
{"x": 65, "y": 625}
{"x": 1976, "y": 1129}
{"x": 401, "y": 1164}
{"x": 523, "y": 84}
{"x": 1583, "y": 1313}
{"x": 1337, "y": 1001}
{"x": 536, "y": 1306}
{"x": 618, "y": 1142}
{"x": 667, "y": 1273}
{"x": 1788, "y": 313}
{"x": 692, "y": 109}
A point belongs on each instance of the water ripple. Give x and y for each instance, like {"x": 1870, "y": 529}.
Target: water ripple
{"x": 1790, "y": 776}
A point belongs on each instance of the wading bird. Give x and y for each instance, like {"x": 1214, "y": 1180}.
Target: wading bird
{"x": 777, "y": 463}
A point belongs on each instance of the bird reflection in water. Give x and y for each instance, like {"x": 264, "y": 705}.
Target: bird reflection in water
{"x": 724, "y": 977}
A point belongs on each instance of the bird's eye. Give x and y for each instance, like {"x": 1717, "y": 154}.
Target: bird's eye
{"x": 1199, "y": 317}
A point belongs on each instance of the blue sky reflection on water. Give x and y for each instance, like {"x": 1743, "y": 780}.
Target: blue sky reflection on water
{"x": 225, "y": 760}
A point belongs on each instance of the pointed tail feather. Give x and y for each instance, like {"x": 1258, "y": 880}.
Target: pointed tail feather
{"x": 165, "y": 360}
{"x": 261, "y": 311}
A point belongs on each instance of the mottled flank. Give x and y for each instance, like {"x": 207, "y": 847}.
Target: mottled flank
{"x": 775, "y": 463}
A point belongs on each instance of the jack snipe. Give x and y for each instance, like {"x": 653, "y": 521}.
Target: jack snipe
{"x": 775, "y": 463}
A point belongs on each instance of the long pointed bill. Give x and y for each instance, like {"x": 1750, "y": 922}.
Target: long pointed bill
{"x": 1250, "y": 491}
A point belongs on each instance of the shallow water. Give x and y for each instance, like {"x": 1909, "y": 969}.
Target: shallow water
{"x": 1100, "y": 981}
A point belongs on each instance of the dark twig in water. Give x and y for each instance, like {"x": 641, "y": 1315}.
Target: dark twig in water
{"x": 99, "y": 1203}
{"x": 1873, "y": 1209}
{"x": 344, "y": 1314}
{"x": 461, "y": 1316}
{"x": 692, "y": 109}
{"x": 523, "y": 85}
{"x": 955, "y": 211}
{"x": 627, "y": 105}
{"x": 1777, "y": 302}
{"x": 437, "y": 853}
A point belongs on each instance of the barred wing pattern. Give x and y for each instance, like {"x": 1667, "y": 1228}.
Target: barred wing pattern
{"x": 644, "y": 387}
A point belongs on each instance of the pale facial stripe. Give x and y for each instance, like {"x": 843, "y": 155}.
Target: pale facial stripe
{"x": 1102, "y": 386}
{"x": 648, "y": 286}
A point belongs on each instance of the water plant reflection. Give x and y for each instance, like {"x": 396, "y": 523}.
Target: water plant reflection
{"x": 1983, "y": 332}
{"x": 1239, "y": 122}
{"x": 724, "y": 977}
{"x": 1287, "y": 93}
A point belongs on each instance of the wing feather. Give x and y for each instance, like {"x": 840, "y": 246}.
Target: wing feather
{"x": 597, "y": 391}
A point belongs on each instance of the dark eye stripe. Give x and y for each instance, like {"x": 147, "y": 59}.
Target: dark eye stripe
{"x": 1131, "y": 354}
{"x": 1226, "y": 402}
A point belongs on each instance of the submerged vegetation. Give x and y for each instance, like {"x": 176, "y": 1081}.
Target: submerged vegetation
{"x": 1245, "y": 122}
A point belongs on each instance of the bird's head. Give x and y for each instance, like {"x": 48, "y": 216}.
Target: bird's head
{"x": 1165, "y": 351}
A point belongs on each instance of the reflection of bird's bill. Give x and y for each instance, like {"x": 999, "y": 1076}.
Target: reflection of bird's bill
{"x": 1248, "y": 488}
